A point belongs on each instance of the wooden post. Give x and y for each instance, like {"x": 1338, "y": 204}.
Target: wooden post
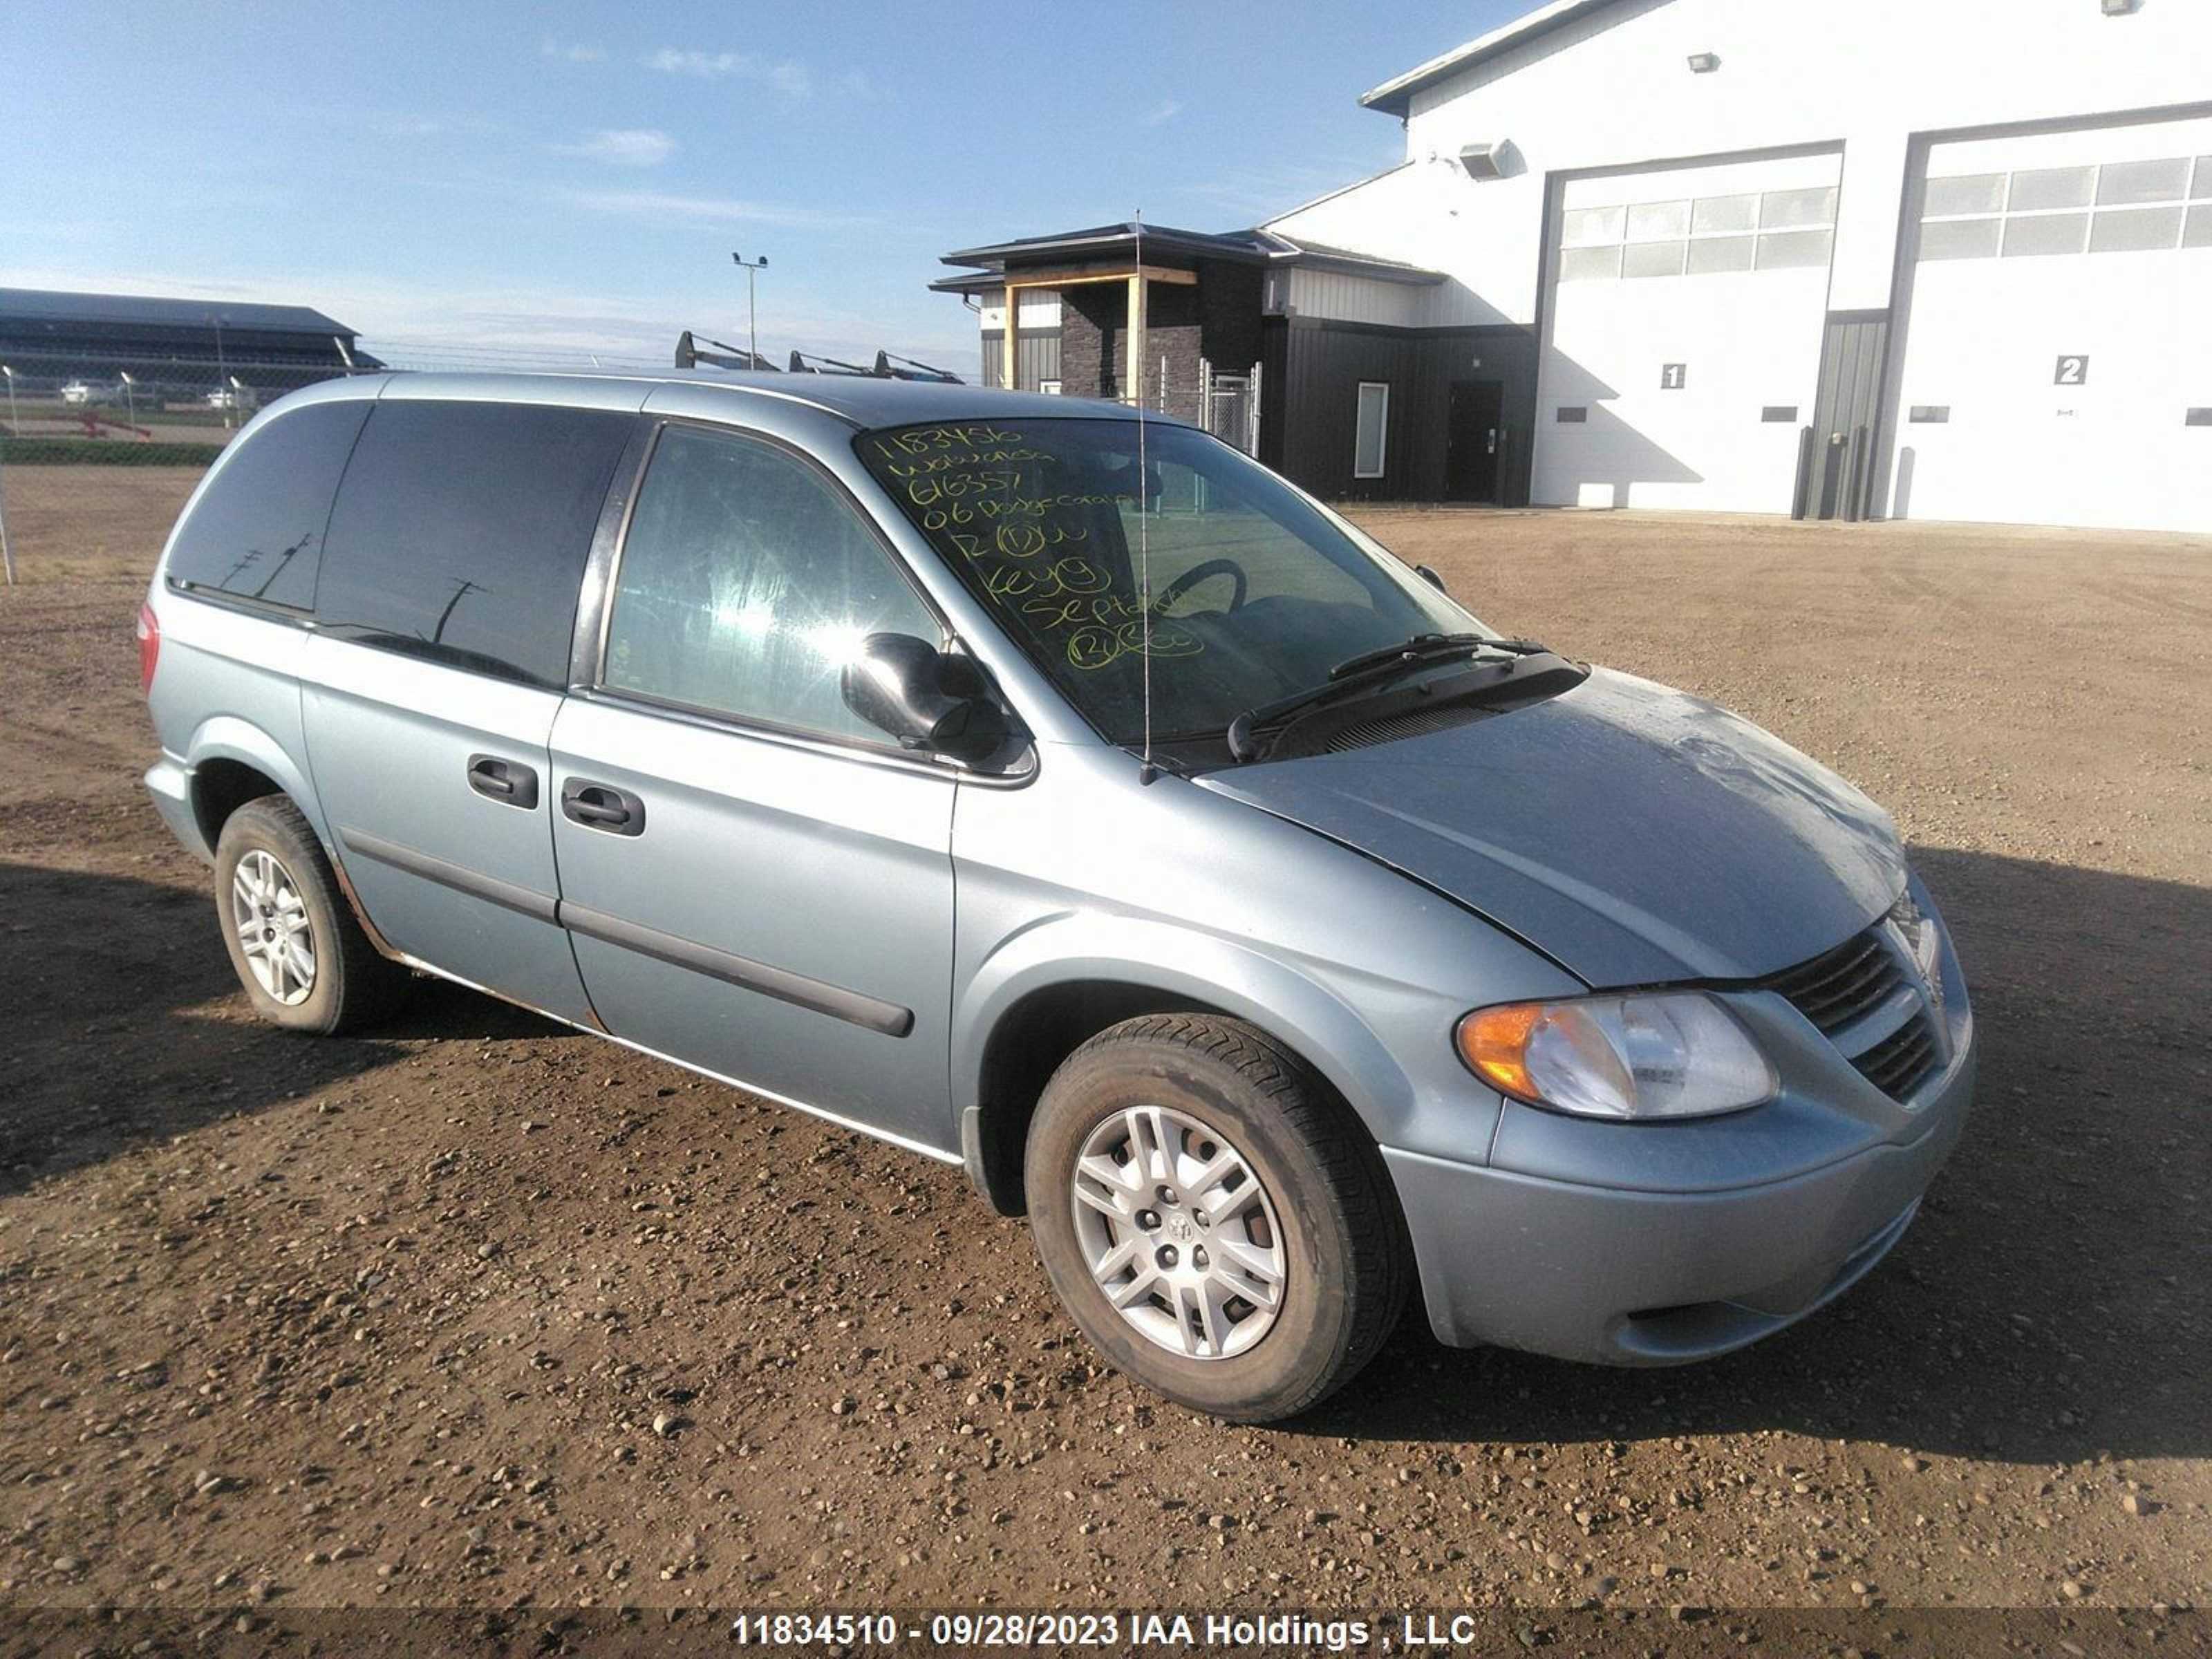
{"x": 1133, "y": 346}
{"x": 1012, "y": 377}
{"x": 7, "y": 552}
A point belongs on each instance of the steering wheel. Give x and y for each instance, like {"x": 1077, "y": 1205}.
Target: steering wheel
{"x": 1204, "y": 572}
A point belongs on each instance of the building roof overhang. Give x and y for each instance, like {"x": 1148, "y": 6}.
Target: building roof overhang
{"x": 1395, "y": 96}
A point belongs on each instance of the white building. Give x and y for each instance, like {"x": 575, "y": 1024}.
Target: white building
{"x": 1923, "y": 258}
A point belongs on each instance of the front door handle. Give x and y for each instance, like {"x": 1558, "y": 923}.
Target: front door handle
{"x": 509, "y": 782}
{"x": 602, "y": 806}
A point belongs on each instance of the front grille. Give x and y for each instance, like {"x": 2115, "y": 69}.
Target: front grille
{"x": 1848, "y": 983}
{"x": 1901, "y": 1061}
{"x": 1394, "y": 727}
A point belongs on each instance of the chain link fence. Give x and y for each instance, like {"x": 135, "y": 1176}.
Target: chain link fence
{"x": 130, "y": 408}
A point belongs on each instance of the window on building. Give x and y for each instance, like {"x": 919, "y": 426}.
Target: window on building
{"x": 1707, "y": 235}
{"x": 2051, "y": 187}
{"x": 747, "y": 582}
{"x": 257, "y": 533}
{"x": 461, "y": 531}
{"x": 2045, "y": 233}
{"x": 1371, "y": 434}
{"x": 2128, "y": 182}
{"x": 2140, "y": 207}
{"x": 2135, "y": 230}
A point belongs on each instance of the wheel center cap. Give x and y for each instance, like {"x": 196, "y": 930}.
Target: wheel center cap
{"x": 1180, "y": 1229}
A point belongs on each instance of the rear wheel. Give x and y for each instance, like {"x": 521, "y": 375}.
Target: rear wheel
{"x": 303, "y": 959}
{"x": 1213, "y": 1216}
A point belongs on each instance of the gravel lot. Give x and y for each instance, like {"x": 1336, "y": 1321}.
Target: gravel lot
{"x": 483, "y": 1311}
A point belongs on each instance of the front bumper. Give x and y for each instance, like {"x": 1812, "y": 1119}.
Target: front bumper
{"x": 1627, "y": 1277}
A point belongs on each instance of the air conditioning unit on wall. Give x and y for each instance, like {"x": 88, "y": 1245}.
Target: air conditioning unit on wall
{"x": 1485, "y": 161}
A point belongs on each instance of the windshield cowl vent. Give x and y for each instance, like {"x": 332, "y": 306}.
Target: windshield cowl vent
{"x": 1364, "y": 734}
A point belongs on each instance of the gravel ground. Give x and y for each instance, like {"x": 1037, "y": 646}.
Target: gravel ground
{"x": 484, "y": 1311}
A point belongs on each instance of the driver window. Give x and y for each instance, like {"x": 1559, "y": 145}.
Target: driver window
{"x": 746, "y": 583}
{"x": 1193, "y": 523}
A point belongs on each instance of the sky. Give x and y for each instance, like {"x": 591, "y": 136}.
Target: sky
{"x": 469, "y": 185}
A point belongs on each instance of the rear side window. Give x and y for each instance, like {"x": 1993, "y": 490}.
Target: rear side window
{"x": 462, "y": 529}
{"x": 747, "y": 582}
{"x": 257, "y": 533}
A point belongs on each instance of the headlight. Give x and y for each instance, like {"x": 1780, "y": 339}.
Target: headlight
{"x": 1660, "y": 1054}
{"x": 1916, "y": 931}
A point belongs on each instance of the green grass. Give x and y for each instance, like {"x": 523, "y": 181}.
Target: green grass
{"x": 103, "y": 451}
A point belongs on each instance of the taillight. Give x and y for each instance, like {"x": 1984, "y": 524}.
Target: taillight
{"x": 149, "y": 646}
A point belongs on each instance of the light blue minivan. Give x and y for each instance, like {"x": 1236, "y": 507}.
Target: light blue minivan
{"x": 1066, "y": 796}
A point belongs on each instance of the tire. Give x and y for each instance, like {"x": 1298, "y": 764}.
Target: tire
{"x": 342, "y": 984}
{"x": 1203, "y": 1090}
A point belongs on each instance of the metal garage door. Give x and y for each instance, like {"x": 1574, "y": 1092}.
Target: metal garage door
{"x": 2058, "y": 342}
{"x": 1682, "y": 344}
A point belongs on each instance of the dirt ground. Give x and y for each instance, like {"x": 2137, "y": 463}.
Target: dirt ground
{"x": 480, "y": 1311}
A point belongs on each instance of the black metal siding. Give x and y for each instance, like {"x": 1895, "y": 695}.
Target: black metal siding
{"x": 1847, "y": 416}
{"x": 1310, "y": 390}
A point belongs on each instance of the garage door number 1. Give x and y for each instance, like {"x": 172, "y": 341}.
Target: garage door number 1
{"x": 2072, "y": 371}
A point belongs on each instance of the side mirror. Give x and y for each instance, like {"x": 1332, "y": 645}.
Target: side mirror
{"x": 1430, "y": 578}
{"x": 927, "y": 700}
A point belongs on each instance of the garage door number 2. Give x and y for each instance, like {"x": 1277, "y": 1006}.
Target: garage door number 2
{"x": 2072, "y": 371}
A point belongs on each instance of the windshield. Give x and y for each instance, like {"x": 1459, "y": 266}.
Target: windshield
{"x": 1257, "y": 593}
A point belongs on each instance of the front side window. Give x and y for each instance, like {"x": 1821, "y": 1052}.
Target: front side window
{"x": 747, "y": 582}
{"x": 1257, "y": 593}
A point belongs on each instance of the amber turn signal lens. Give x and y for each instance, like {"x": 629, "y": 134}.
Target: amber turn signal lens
{"x": 1495, "y": 1042}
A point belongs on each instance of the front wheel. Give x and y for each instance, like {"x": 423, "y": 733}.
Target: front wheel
{"x": 1213, "y": 1216}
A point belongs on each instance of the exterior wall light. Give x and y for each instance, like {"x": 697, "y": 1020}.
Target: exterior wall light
{"x": 1705, "y": 63}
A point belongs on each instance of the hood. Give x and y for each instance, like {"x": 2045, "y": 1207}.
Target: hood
{"x": 1635, "y": 833}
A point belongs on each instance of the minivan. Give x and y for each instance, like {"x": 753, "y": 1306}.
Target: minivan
{"x": 1052, "y": 790}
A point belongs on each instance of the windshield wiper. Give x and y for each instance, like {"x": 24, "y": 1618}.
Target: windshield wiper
{"x": 1359, "y": 672}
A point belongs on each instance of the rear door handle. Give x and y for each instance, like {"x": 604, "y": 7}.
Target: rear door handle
{"x": 509, "y": 782}
{"x": 602, "y": 806}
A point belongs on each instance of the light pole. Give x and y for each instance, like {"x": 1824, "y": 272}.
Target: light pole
{"x": 222, "y": 369}
{"x": 15, "y": 427}
{"x": 752, "y": 313}
{"x": 131, "y": 400}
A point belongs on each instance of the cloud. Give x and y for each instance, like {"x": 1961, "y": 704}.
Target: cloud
{"x": 571, "y": 53}
{"x": 1165, "y": 113}
{"x": 792, "y": 80}
{"x": 709, "y": 65}
{"x": 666, "y": 205}
{"x": 627, "y": 147}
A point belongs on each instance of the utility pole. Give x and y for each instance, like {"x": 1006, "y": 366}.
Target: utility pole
{"x": 14, "y": 426}
{"x": 751, "y": 267}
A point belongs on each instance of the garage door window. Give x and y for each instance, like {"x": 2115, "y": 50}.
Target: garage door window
{"x": 1370, "y": 438}
{"x": 2135, "y": 230}
{"x": 2045, "y": 233}
{"x": 1703, "y": 236}
{"x": 2140, "y": 206}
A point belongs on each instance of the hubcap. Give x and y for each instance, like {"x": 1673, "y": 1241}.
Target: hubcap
{"x": 274, "y": 934}
{"x": 1178, "y": 1232}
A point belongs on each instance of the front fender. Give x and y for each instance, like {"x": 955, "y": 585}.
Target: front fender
{"x": 1189, "y": 964}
